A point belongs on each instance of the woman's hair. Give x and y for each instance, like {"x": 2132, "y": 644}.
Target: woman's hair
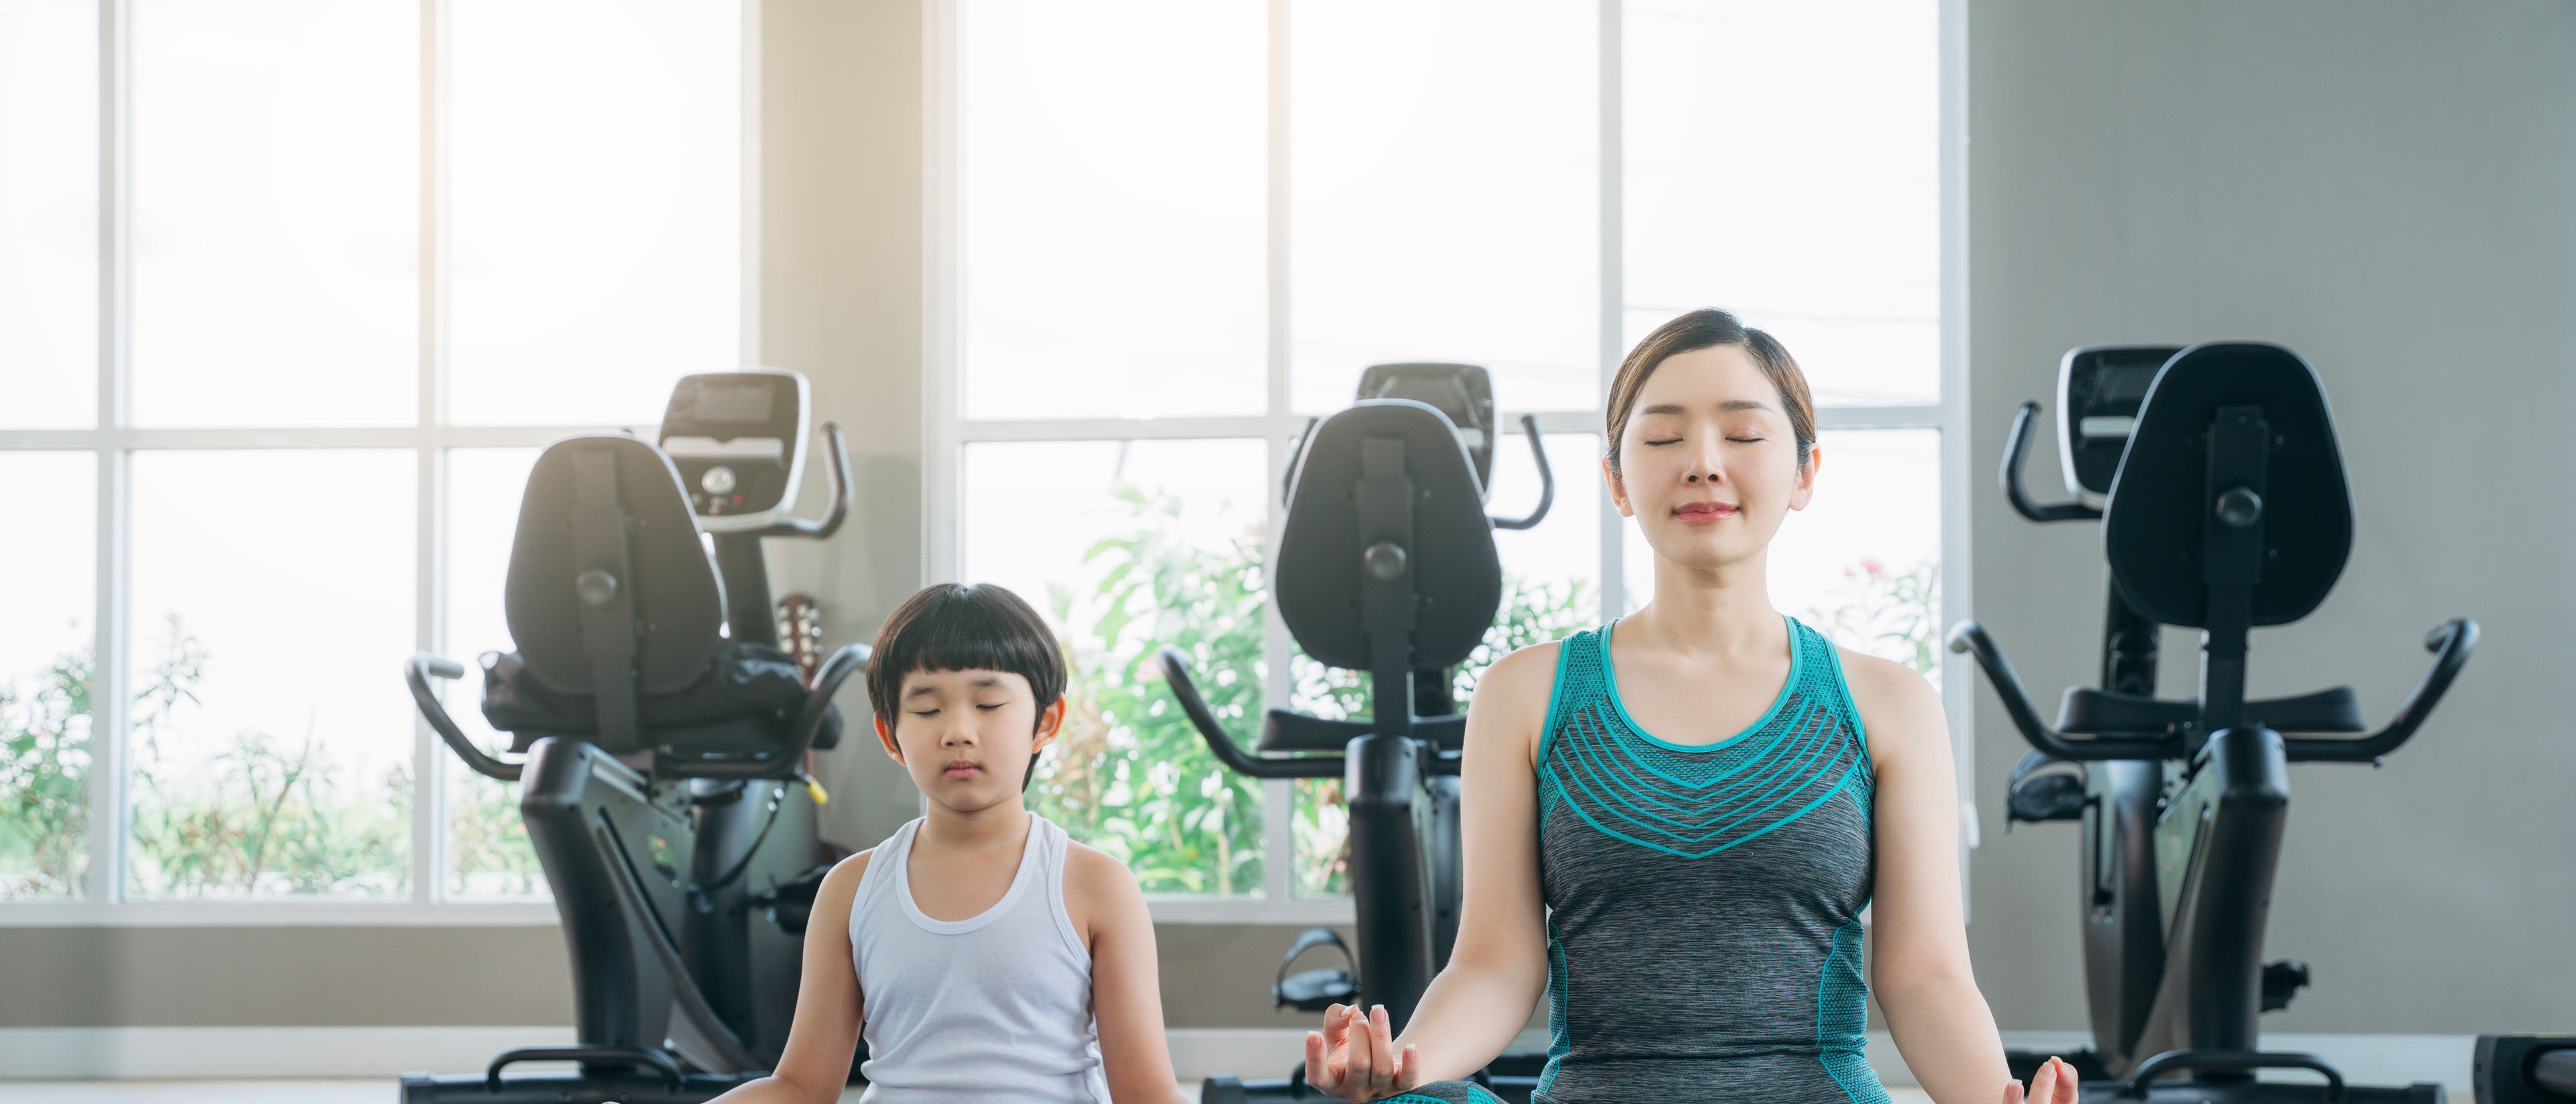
{"x": 1708, "y": 328}
{"x": 957, "y": 627}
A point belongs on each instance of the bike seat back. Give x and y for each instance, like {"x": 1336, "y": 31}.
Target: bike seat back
{"x": 2158, "y": 525}
{"x": 1446, "y": 542}
{"x": 608, "y": 574}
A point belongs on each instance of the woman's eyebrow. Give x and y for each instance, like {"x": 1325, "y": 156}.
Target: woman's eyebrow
{"x": 1730, "y": 406}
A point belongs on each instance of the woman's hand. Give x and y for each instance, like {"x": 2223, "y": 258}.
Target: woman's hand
{"x": 2054, "y": 1084}
{"x": 1356, "y": 1059}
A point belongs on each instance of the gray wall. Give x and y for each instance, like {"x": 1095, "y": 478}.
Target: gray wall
{"x": 2390, "y": 189}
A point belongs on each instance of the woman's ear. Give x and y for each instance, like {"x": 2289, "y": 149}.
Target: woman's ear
{"x": 885, "y": 735}
{"x": 1618, "y": 490}
{"x": 1805, "y": 489}
{"x": 1050, "y": 722}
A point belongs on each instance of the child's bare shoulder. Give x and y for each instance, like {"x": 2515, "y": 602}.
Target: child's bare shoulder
{"x": 1098, "y": 872}
{"x": 841, "y": 886}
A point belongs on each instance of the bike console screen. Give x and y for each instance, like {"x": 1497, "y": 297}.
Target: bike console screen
{"x": 738, "y": 439}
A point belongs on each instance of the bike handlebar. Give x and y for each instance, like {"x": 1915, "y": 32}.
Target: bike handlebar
{"x": 417, "y": 673}
{"x": 1176, "y": 674}
{"x": 2452, "y": 643}
{"x": 838, "y": 473}
{"x": 1970, "y": 637}
{"x": 1546, "y": 480}
{"x": 2016, "y": 450}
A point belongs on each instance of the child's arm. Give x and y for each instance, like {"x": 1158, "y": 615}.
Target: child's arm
{"x": 1126, "y": 995}
{"x": 825, "y": 1034}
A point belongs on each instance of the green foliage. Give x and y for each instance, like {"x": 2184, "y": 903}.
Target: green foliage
{"x": 487, "y": 843}
{"x": 1129, "y": 774}
{"x": 260, "y": 815}
{"x": 1895, "y": 614}
{"x": 44, "y": 782}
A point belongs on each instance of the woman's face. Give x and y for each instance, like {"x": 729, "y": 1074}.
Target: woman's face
{"x": 1708, "y": 464}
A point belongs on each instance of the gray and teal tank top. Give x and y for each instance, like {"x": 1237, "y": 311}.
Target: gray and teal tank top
{"x": 1703, "y": 931}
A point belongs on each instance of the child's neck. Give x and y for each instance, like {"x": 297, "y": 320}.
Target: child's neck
{"x": 1002, "y": 824}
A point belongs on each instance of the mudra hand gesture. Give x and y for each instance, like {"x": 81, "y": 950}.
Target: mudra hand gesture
{"x": 1355, "y": 1057}
{"x": 2053, "y": 1084}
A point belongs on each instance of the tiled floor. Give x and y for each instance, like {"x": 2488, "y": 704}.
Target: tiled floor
{"x": 296, "y": 1092}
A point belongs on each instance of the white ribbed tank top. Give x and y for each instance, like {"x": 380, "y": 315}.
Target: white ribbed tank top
{"x": 993, "y": 1007}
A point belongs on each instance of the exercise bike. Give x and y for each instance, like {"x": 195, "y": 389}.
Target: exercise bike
{"x": 1386, "y": 565}
{"x": 2224, "y": 507}
{"x": 665, "y": 736}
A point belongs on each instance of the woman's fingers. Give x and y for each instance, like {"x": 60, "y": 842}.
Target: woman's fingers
{"x": 2046, "y": 1085}
{"x": 1381, "y": 1037}
{"x": 1359, "y": 1053}
{"x": 2066, "y": 1083}
{"x": 1317, "y": 1073}
{"x": 2012, "y": 1092}
{"x": 1404, "y": 1066}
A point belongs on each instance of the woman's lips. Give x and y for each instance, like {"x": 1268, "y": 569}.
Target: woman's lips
{"x": 1705, "y": 513}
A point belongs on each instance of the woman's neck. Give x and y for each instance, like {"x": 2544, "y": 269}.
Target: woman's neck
{"x": 1719, "y": 611}
{"x": 1002, "y": 824}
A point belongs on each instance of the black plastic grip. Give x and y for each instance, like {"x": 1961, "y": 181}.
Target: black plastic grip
{"x": 1970, "y": 637}
{"x": 1176, "y": 674}
{"x": 837, "y": 472}
{"x": 2450, "y": 644}
{"x": 1546, "y": 480}
{"x": 2016, "y": 450}
{"x": 417, "y": 674}
{"x": 658, "y": 1061}
{"x": 2204, "y": 1060}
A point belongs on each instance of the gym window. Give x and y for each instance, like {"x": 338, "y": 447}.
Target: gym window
{"x": 268, "y": 441}
{"x": 1138, "y": 298}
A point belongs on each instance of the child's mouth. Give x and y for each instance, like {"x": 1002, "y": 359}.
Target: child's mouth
{"x": 962, "y": 770}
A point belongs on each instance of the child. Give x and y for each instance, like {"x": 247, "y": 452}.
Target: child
{"x": 985, "y": 956}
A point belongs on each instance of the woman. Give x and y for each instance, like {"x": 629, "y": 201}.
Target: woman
{"x": 1673, "y": 822}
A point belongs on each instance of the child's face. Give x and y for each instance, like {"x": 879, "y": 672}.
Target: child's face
{"x": 966, "y": 736}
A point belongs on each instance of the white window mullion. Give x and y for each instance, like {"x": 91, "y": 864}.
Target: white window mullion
{"x": 428, "y": 789}
{"x": 1614, "y": 293}
{"x": 107, "y": 817}
{"x": 1278, "y": 796}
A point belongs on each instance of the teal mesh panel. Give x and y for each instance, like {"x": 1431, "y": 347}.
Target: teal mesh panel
{"x": 1842, "y": 1020}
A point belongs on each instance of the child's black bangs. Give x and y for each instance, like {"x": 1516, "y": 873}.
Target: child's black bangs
{"x": 954, "y": 627}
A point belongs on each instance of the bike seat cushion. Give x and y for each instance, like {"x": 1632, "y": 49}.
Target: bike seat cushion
{"x": 748, "y": 698}
{"x": 2161, "y": 504}
{"x": 1457, "y": 579}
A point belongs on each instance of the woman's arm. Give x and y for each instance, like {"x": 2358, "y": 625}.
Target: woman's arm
{"x": 1499, "y": 967}
{"x": 1126, "y": 995}
{"x": 1918, "y": 939}
{"x": 825, "y": 1033}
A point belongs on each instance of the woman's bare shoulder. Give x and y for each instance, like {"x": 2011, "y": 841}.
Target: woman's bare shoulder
{"x": 1524, "y": 673}
{"x": 1897, "y": 704}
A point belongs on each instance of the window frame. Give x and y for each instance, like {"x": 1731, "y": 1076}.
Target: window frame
{"x": 113, "y": 441}
{"x": 946, "y": 432}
